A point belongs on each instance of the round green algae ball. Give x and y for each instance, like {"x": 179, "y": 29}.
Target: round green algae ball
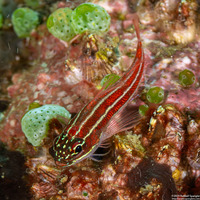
{"x": 186, "y": 77}
{"x": 59, "y": 24}
{"x": 24, "y": 20}
{"x": 109, "y": 79}
{"x": 143, "y": 109}
{"x": 35, "y": 122}
{"x": 90, "y": 17}
{"x": 155, "y": 95}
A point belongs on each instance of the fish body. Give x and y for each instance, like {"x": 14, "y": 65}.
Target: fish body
{"x": 95, "y": 122}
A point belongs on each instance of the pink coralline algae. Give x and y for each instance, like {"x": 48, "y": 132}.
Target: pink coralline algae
{"x": 47, "y": 82}
{"x": 157, "y": 159}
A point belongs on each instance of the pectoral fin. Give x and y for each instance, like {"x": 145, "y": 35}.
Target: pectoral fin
{"x": 103, "y": 150}
{"x": 124, "y": 120}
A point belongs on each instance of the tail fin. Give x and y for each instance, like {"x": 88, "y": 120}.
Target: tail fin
{"x": 135, "y": 19}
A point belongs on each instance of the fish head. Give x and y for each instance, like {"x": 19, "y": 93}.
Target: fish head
{"x": 70, "y": 147}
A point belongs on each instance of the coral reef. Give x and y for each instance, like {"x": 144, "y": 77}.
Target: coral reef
{"x": 157, "y": 159}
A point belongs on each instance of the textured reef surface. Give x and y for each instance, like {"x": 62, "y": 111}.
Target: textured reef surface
{"x": 157, "y": 159}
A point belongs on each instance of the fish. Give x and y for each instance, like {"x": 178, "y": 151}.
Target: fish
{"x": 106, "y": 115}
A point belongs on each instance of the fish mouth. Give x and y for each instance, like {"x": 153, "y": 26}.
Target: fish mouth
{"x": 62, "y": 162}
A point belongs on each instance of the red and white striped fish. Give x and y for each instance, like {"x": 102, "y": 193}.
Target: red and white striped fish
{"x": 102, "y": 117}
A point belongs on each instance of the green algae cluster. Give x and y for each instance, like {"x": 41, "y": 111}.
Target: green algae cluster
{"x": 35, "y": 123}
{"x": 24, "y": 20}
{"x": 109, "y": 80}
{"x": 59, "y": 24}
{"x": 143, "y": 109}
{"x": 186, "y": 77}
{"x": 155, "y": 95}
{"x": 87, "y": 17}
{"x": 90, "y": 17}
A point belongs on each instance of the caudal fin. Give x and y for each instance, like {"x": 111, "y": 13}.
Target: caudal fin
{"x": 135, "y": 20}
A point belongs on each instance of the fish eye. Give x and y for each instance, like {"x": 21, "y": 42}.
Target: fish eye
{"x": 76, "y": 145}
{"x": 78, "y": 149}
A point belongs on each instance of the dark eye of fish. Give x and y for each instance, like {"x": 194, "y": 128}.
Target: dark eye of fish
{"x": 77, "y": 145}
{"x": 78, "y": 149}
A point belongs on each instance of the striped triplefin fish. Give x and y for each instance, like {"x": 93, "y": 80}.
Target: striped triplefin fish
{"x": 104, "y": 116}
